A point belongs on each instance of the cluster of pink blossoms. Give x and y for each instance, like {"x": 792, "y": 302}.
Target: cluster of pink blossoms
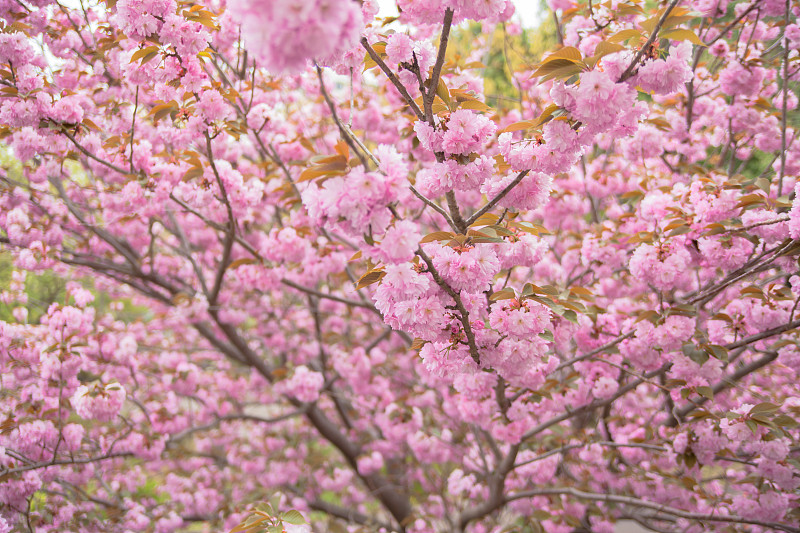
{"x": 599, "y": 102}
{"x": 355, "y": 205}
{"x": 469, "y": 269}
{"x": 520, "y": 320}
{"x": 794, "y": 215}
{"x": 464, "y": 132}
{"x": 748, "y": 315}
{"x": 305, "y": 384}
{"x": 451, "y": 175}
{"x": 402, "y": 49}
{"x": 663, "y": 266}
{"x": 531, "y": 192}
{"x": 432, "y": 11}
{"x": 411, "y": 301}
{"x": 284, "y": 34}
{"x": 99, "y": 403}
{"x": 769, "y": 456}
{"x": 140, "y": 19}
{"x": 461, "y": 140}
{"x": 668, "y": 75}
{"x": 580, "y": 356}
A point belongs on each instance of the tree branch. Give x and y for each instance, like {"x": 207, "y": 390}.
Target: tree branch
{"x": 392, "y": 78}
{"x": 631, "y": 70}
{"x": 433, "y": 83}
{"x": 493, "y": 202}
{"x": 636, "y": 502}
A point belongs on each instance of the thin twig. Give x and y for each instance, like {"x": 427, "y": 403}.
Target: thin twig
{"x": 784, "y": 102}
{"x": 395, "y": 81}
{"x": 133, "y": 125}
{"x": 661, "y": 508}
{"x": 631, "y": 70}
{"x": 435, "y": 207}
{"x": 493, "y": 202}
{"x": 342, "y": 132}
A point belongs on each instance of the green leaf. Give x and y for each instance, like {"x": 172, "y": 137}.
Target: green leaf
{"x": 84, "y": 376}
{"x": 145, "y": 54}
{"x": 293, "y": 517}
{"x": 503, "y": 294}
{"x": 624, "y": 35}
{"x": 785, "y": 421}
{"x": 557, "y": 68}
{"x": 692, "y": 352}
{"x": 89, "y": 124}
{"x": 373, "y": 276}
{"x": 683, "y": 35}
{"x": 162, "y": 110}
{"x": 680, "y": 230}
{"x": 527, "y": 290}
{"x": 475, "y": 105}
{"x": 569, "y": 53}
{"x": 240, "y": 262}
{"x": 547, "y": 289}
{"x": 650, "y": 315}
{"x": 518, "y": 126}
{"x": 247, "y": 524}
{"x": 690, "y": 459}
{"x": 650, "y": 24}
{"x": 485, "y": 219}
{"x": 541, "y": 514}
{"x": 706, "y": 392}
{"x": 437, "y": 236}
{"x": 443, "y": 92}
{"x": 764, "y": 407}
{"x": 762, "y": 420}
{"x": 719, "y": 352}
{"x": 605, "y": 48}
{"x": 264, "y": 507}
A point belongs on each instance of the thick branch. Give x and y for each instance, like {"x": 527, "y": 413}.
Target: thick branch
{"x": 230, "y": 234}
{"x": 636, "y": 502}
{"x": 392, "y": 78}
{"x": 786, "y": 49}
{"x": 93, "y": 157}
{"x": 726, "y": 383}
{"x": 4, "y": 474}
{"x": 493, "y": 202}
{"x": 497, "y": 497}
{"x": 462, "y": 310}
{"x": 591, "y": 406}
{"x": 433, "y": 83}
{"x": 319, "y": 294}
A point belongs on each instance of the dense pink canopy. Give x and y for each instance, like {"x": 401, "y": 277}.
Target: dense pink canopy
{"x": 301, "y": 257}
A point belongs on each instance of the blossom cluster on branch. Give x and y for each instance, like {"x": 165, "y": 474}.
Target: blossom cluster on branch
{"x": 302, "y": 256}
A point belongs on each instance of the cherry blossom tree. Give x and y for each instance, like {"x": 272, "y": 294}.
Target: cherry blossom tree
{"x": 305, "y": 263}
